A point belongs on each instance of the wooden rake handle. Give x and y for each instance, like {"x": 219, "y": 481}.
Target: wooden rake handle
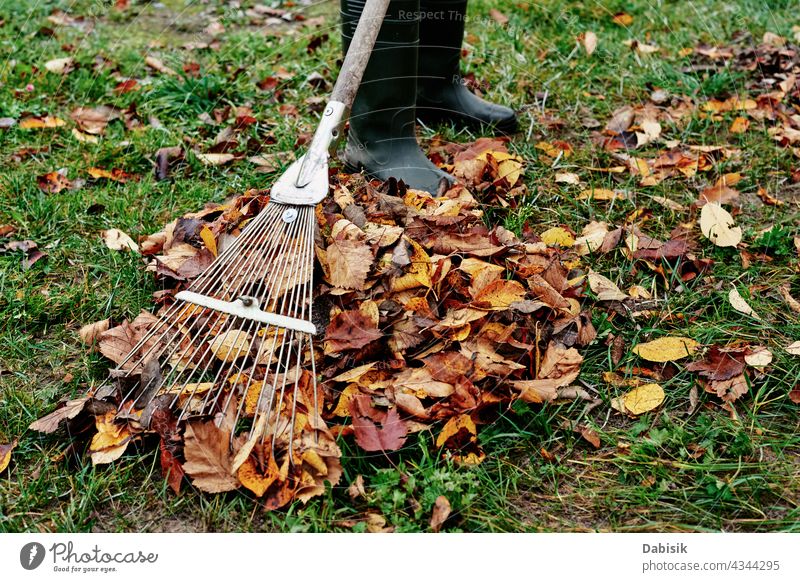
{"x": 357, "y": 57}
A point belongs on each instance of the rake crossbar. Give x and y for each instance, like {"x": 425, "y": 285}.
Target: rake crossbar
{"x": 248, "y": 308}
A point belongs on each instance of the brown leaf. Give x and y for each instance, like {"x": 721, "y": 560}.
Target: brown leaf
{"x": 719, "y": 363}
{"x": 91, "y": 332}
{"x": 208, "y": 457}
{"x": 350, "y": 330}
{"x": 731, "y": 389}
{"x": 376, "y": 430}
{"x": 94, "y": 120}
{"x": 441, "y": 511}
{"x": 590, "y": 436}
{"x": 350, "y": 261}
{"x": 66, "y": 411}
{"x": 53, "y": 182}
{"x": 117, "y": 342}
{"x": 115, "y": 175}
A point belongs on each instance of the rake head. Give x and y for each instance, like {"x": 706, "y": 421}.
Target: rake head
{"x": 240, "y": 335}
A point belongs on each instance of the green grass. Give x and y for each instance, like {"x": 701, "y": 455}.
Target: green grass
{"x": 539, "y": 475}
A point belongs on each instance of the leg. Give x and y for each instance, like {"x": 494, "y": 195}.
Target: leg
{"x": 382, "y": 138}
{"x": 441, "y": 94}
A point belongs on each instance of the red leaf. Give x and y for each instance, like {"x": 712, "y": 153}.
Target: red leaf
{"x": 390, "y": 436}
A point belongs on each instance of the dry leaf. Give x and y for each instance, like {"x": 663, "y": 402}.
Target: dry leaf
{"x": 558, "y": 236}
{"x": 230, "y": 345}
{"x": 5, "y": 456}
{"x": 60, "y": 66}
{"x": 91, "y": 332}
{"x": 390, "y": 436}
{"x": 622, "y": 18}
{"x": 215, "y": 159}
{"x": 350, "y": 261}
{"x": 793, "y": 348}
{"x": 589, "y": 40}
{"x": 601, "y": 194}
{"x": 759, "y": 357}
{"x": 208, "y": 457}
{"x": 46, "y": 122}
{"x": 604, "y": 288}
{"x": 117, "y": 240}
{"x": 441, "y": 511}
{"x": 110, "y": 441}
{"x": 51, "y": 422}
{"x": 740, "y": 305}
{"x": 643, "y": 399}
{"x": 717, "y": 225}
{"x": 739, "y": 125}
{"x": 666, "y": 349}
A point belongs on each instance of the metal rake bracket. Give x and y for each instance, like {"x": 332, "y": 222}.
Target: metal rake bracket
{"x": 248, "y": 307}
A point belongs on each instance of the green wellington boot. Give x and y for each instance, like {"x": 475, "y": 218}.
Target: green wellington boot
{"x": 442, "y": 94}
{"x": 382, "y": 139}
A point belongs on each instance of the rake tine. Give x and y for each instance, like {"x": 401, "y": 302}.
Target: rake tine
{"x": 277, "y": 274}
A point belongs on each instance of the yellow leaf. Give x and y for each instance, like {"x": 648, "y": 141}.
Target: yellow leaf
{"x": 510, "y": 170}
{"x": 454, "y": 426}
{"x": 208, "y": 239}
{"x": 84, "y": 137}
{"x": 46, "y": 122}
{"x": 622, "y": 19}
{"x": 251, "y": 477}
{"x": 666, "y": 349}
{"x": 558, "y": 236}
{"x": 717, "y": 225}
{"x": 499, "y": 295}
{"x": 418, "y": 273}
{"x": 600, "y": 194}
{"x": 5, "y": 454}
{"x": 230, "y": 345}
{"x": 110, "y": 441}
{"x": 343, "y": 407}
{"x": 643, "y": 398}
{"x": 740, "y": 125}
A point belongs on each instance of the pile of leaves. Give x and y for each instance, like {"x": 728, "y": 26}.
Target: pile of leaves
{"x": 428, "y": 315}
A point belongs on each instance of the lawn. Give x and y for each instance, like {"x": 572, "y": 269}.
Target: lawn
{"x": 694, "y": 463}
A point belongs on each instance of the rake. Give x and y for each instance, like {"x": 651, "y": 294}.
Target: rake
{"x": 243, "y": 328}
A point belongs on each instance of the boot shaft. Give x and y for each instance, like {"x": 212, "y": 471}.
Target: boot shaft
{"x": 384, "y": 107}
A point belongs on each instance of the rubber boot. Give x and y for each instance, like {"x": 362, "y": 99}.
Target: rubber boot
{"x": 382, "y": 139}
{"x": 442, "y": 94}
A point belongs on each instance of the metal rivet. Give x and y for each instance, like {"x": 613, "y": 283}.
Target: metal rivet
{"x": 290, "y": 215}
